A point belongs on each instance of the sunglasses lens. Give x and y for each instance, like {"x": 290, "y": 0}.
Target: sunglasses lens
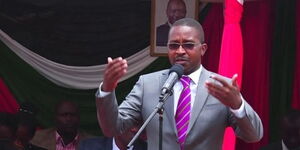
{"x": 188, "y": 46}
{"x": 173, "y": 46}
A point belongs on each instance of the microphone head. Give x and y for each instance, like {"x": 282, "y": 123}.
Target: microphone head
{"x": 177, "y": 68}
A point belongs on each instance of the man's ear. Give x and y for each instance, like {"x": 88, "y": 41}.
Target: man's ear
{"x": 203, "y": 48}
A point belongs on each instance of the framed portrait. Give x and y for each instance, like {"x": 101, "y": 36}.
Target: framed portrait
{"x": 163, "y": 14}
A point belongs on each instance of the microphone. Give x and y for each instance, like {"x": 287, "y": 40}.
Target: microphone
{"x": 176, "y": 71}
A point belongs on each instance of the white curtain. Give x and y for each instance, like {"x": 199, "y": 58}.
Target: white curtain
{"x": 76, "y": 77}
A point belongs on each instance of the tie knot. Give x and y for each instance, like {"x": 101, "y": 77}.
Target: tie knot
{"x": 185, "y": 81}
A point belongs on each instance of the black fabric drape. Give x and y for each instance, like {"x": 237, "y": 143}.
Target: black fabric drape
{"x": 79, "y": 32}
{"x": 282, "y": 63}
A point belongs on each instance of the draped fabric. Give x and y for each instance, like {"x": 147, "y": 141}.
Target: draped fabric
{"x": 76, "y": 77}
{"x": 296, "y": 83}
{"x": 231, "y": 55}
{"x": 75, "y": 38}
{"x": 256, "y": 30}
{"x": 270, "y": 66}
{"x": 78, "y": 32}
{"x": 213, "y": 27}
{"x": 26, "y": 84}
{"x": 282, "y": 63}
{"x": 7, "y": 101}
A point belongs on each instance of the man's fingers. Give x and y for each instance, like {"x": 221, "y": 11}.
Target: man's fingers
{"x": 213, "y": 91}
{"x": 117, "y": 73}
{"x": 116, "y": 68}
{"x": 116, "y": 63}
{"x": 216, "y": 89}
{"x": 109, "y": 60}
{"x": 222, "y": 81}
{"x": 213, "y": 85}
{"x": 234, "y": 80}
{"x": 226, "y": 84}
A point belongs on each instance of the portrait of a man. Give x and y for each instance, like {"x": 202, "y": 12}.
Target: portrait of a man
{"x": 164, "y": 14}
{"x": 176, "y": 9}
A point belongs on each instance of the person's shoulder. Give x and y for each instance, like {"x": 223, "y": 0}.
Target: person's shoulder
{"x": 43, "y": 136}
{"x": 45, "y": 132}
{"x": 156, "y": 73}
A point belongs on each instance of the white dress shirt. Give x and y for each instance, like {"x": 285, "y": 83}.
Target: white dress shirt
{"x": 177, "y": 88}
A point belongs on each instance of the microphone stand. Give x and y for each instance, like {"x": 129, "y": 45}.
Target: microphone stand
{"x": 158, "y": 109}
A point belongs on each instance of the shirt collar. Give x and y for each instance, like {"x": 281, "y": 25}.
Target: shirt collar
{"x": 61, "y": 141}
{"x": 195, "y": 75}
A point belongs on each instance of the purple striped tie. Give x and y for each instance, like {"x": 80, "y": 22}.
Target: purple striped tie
{"x": 183, "y": 110}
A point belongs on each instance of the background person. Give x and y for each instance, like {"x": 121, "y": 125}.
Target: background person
{"x": 290, "y": 133}
{"x": 66, "y": 134}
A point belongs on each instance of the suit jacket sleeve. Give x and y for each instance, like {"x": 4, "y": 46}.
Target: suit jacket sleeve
{"x": 248, "y": 128}
{"x": 114, "y": 121}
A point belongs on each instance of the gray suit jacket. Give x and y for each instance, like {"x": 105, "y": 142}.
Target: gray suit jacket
{"x": 209, "y": 116}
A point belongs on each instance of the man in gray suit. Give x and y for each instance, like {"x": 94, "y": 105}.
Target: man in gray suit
{"x": 214, "y": 102}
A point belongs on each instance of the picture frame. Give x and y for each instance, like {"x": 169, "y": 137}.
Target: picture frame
{"x": 160, "y": 23}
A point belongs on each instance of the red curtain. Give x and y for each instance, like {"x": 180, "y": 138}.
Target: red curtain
{"x": 7, "y": 102}
{"x": 213, "y": 28}
{"x": 296, "y": 88}
{"x": 256, "y": 30}
{"x": 231, "y": 55}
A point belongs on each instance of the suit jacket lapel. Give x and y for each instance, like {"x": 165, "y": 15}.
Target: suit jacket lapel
{"x": 200, "y": 98}
{"x": 169, "y": 103}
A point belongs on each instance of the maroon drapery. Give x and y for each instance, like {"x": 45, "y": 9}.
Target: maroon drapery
{"x": 256, "y": 30}
{"x": 213, "y": 28}
{"x": 7, "y": 102}
{"x": 296, "y": 88}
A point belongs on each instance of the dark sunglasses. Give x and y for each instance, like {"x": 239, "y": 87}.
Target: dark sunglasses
{"x": 186, "y": 46}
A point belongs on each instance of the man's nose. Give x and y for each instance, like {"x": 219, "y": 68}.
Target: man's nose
{"x": 180, "y": 50}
